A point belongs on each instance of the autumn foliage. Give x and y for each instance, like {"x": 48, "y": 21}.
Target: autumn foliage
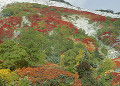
{"x": 43, "y": 73}
{"x": 70, "y": 45}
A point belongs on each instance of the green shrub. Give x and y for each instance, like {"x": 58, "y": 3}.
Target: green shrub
{"x": 19, "y": 64}
{"x": 108, "y": 11}
{"x": 30, "y": 9}
{"x": 62, "y": 9}
{"x": 90, "y": 81}
{"x": 62, "y": 80}
{"x": 104, "y": 80}
{"x": 44, "y": 6}
{"x": 7, "y": 12}
{"x": 59, "y": 13}
{"x": 54, "y": 60}
{"x": 10, "y": 52}
{"x": 34, "y": 43}
{"x": 14, "y": 9}
{"x": 22, "y": 13}
{"x": 83, "y": 69}
{"x": 68, "y": 60}
{"x": 52, "y": 9}
{"x": 36, "y": 5}
{"x": 105, "y": 64}
{"x": 23, "y": 82}
{"x": 1, "y": 83}
{"x": 118, "y": 13}
{"x": 104, "y": 50}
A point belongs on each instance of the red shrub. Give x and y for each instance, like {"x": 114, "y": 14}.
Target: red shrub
{"x": 44, "y": 72}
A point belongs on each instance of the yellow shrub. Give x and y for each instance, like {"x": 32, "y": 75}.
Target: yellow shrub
{"x": 108, "y": 71}
{"x": 80, "y": 55}
{"x": 62, "y": 56}
{"x": 4, "y": 73}
{"x": 7, "y": 76}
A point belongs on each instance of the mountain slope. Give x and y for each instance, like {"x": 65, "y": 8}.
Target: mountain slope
{"x": 62, "y": 36}
{"x": 57, "y": 4}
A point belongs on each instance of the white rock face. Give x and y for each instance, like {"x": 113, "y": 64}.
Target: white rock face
{"x": 25, "y": 21}
{"x": 112, "y": 53}
{"x": 16, "y": 33}
{"x": 91, "y": 30}
{"x": 57, "y": 4}
{"x": 83, "y": 23}
{"x": 103, "y": 13}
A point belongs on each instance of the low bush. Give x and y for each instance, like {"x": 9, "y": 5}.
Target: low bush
{"x": 83, "y": 69}
{"x": 54, "y": 60}
{"x": 34, "y": 43}
{"x": 36, "y": 5}
{"x": 104, "y": 50}
{"x": 7, "y": 12}
{"x": 52, "y": 9}
{"x": 44, "y": 6}
{"x": 10, "y": 52}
